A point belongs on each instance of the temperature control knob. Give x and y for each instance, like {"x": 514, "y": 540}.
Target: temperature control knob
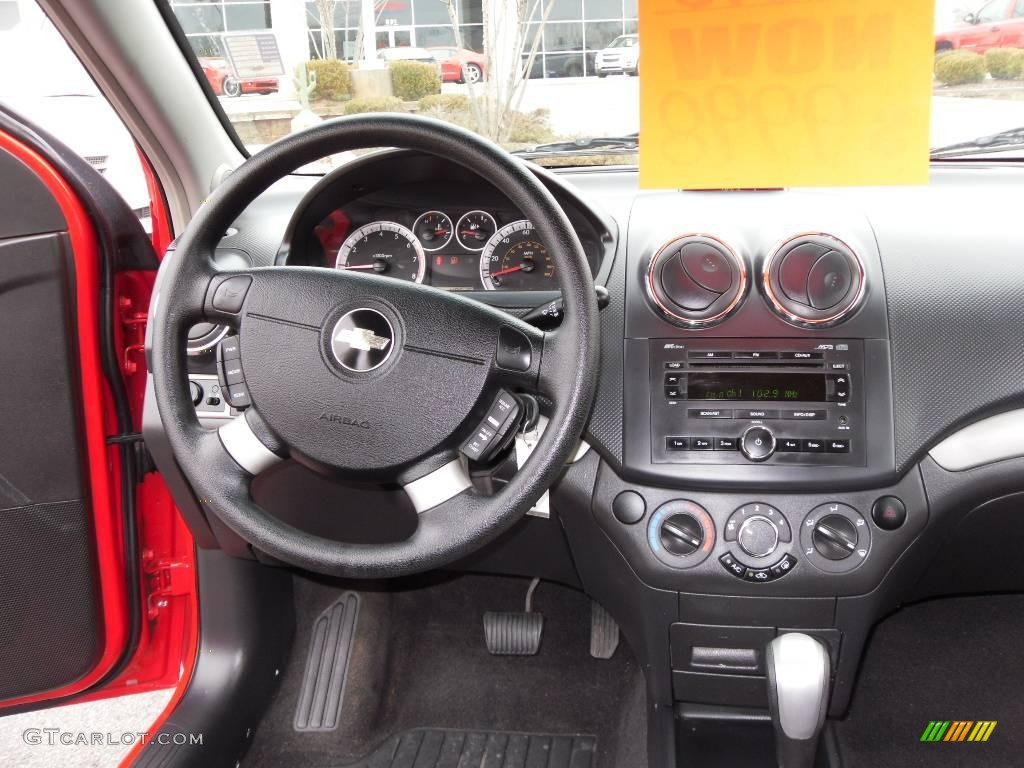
{"x": 681, "y": 534}
{"x": 757, "y": 443}
{"x": 835, "y": 537}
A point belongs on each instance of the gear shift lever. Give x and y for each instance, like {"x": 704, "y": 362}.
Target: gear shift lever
{"x": 798, "y": 687}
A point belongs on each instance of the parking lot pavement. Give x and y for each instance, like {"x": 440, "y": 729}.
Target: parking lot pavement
{"x": 24, "y": 742}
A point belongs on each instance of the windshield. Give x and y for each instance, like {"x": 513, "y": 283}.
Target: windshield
{"x": 547, "y": 74}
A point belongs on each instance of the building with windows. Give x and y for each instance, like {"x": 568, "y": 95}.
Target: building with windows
{"x": 575, "y": 30}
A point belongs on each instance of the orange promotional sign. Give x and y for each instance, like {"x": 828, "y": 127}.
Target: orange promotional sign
{"x": 784, "y": 93}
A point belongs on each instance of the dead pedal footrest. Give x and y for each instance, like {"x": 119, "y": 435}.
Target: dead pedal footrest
{"x": 323, "y": 681}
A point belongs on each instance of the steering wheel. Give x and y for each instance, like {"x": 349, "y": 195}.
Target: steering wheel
{"x": 364, "y": 376}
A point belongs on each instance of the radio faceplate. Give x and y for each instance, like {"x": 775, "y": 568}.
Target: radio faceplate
{"x": 781, "y": 402}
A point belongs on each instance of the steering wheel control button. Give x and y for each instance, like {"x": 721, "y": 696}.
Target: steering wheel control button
{"x": 514, "y": 352}
{"x": 629, "y": 507}
{"x": 889, "y": 513}
{"x": 230, "y": 294}
{"x": 228, "y": 349}
{"x": 238, "y": 396}
{"x": 496, "y": 429}
{"x": 362, "y": 340}
{"x": 233, "y": 372}
{"x": 757, "y": 443}
{"x": 681, "y": 533}
{"x": 835, "y": 538}
{"x": 758, "y": 536}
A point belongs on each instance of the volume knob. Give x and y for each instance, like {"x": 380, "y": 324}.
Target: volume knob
{"x": 757, "y": 443}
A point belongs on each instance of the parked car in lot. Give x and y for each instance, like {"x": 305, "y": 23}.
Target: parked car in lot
{"x": 224, "y": 83}
{"x": 621, "y": 55}
{"x": 997, "y": 24}
{"x": 460, "y": 65}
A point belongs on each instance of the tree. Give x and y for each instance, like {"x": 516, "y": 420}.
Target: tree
{"x": 511, "y": 52}
{"x": 325, "y": 9}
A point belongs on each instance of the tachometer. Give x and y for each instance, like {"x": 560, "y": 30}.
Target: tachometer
{"x": 384, "y": 248}
{"x": 434, "y": 229}
{"x": 514, "y": 259}
{"x": 475, "y": 229}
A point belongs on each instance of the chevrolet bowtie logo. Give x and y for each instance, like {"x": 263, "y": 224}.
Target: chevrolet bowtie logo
{"x": 362, "y": 338}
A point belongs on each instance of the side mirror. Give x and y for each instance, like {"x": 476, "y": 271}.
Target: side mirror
{"x": 971, "y": 18}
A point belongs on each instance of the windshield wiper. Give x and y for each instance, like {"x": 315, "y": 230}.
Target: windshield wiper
{"x": 595, "y": 145}
{"x": 1012, "y": 138}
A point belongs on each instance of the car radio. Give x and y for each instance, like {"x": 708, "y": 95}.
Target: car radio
{"x": 772, "y": 401}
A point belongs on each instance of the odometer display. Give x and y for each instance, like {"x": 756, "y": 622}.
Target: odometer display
{"x": 384, "y": 248}
{"x": 515, "y": 259}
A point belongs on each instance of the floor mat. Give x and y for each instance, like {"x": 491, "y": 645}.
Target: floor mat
{"x": 956, "y": 659}
{"x": 424, "y": 748}
{"x": 419, "y": 661}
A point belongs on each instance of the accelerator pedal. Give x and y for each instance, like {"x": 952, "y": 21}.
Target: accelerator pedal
{"x": 604, "y": 632}
{"x": 510, "y": 633}
{"x": 323, "y": 681}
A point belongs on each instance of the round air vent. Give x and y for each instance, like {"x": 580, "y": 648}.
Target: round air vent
{"x": 814, "y": 280}
{"x": 696, "y": 280}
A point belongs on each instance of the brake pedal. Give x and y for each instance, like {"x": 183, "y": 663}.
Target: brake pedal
{"x": 604, "y": 632}
{"x": 511, "y": 633}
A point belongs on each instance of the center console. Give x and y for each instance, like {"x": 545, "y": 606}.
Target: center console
{"x": 758, "y": 486}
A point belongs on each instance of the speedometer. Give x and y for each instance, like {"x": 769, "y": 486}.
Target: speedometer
{"x": 515, "y": 259}
{"x": 384, "y": 248}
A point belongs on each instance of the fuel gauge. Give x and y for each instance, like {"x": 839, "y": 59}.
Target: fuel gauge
{"x": 434, "y": 230}
{"x": 475, "y": 229}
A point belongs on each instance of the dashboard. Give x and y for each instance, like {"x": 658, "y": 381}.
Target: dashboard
{"x": 806, "y": 398}
{"x": 422, "y": 219}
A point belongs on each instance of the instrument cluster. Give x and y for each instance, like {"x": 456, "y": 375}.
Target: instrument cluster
{"x": 455, "y": 249}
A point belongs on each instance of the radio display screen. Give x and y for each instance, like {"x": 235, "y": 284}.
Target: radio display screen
{"x": 760, "y": 387}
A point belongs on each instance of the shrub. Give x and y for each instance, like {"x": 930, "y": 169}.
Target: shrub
{"x": 1005, "y": 63}
{"x": 960, "y": 68}
{"x": 444, "y": 102}
{"x": 374, "y": 104}
{"x": 333, "y": 79}
{"x": 530, "y": 127}
{"x": 412, "y": 80}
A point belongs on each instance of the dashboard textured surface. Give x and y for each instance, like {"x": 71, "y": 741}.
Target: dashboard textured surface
{"x": 957, "y": 342}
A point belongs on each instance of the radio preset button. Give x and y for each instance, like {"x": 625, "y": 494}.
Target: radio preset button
{"x": 702, "y": 444}
{"x": 709, "y": 413}
{"x": 788, "y": 444}
{"x": 837, "y": 446}
{"x": 812, "y": 445}
{"x": 677, "y": 443}
{"x": 757, "y": 443}
{"x": 726, "y": 443}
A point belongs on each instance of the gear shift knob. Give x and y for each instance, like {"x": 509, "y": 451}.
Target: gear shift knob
{"x": 799, "y": 673}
